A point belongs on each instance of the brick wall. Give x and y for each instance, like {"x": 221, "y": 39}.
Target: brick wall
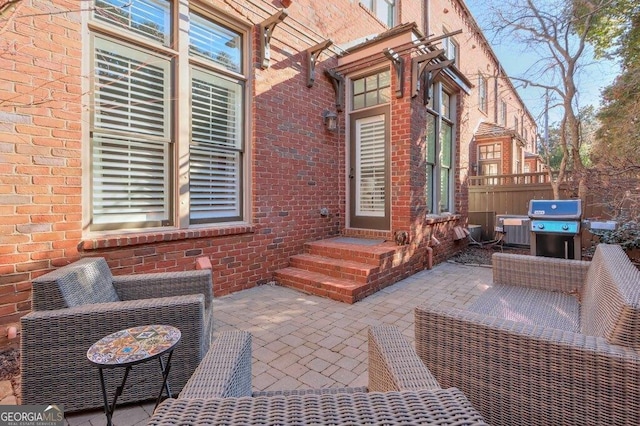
{"x": 40, "y": 166}
{"x": 297, "y": 167}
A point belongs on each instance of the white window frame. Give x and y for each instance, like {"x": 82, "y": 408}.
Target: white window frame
{"x": 384, "y": 10}
{"x": 494, "y": 154}
{"x": 451, "y": 47}
{"x": 503, "y": 112}
{"x": 483, "y": 93}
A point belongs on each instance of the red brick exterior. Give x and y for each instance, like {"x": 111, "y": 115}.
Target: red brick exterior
{"x": 297, "y": 167}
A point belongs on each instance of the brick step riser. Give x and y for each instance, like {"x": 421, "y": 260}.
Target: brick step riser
{"x": 349, "y": 254}
{"x": 324, "y": 266}
{"x": 315, "y": 288}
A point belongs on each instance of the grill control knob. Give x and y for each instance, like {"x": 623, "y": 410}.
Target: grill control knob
{"x": 541, "y": 226}
{"x": 565, "y": 227}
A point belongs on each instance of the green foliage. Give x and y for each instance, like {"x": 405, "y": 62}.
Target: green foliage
{"x": 616, "y": 195}
{"x": 609, "y": 20}
{"x": 627, "y": 235}
{"x": 619, "y": 136}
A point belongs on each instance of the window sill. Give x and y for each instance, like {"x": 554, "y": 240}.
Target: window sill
{"x": 161, "y": 236}
{"x": 432, "y": 219}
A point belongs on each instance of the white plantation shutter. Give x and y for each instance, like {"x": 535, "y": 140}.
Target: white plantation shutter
{"x": 129, "y": 182}
{"x": 370, "y": 169}
{"x": 215, "y": 153}
{"x": 138, "y": 146}
{"x": 131, "y": 90}
{"x": 130, "y": 136}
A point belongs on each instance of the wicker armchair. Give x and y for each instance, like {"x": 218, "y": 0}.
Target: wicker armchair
{"x": 219, "y": 392}
{"x": 78, "y": 304}
{"x": 553, "y": 342}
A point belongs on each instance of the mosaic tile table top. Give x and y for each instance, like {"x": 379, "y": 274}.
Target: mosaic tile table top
{"x": 133, "y": 345}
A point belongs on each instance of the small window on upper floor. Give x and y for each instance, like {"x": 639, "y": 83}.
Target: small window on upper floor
{"x": 483, "y": 100}
{"x": 503, "y": 113}
{"x": 446, "y": 105}
{"x": 450, "y": 47}
{"x": 490, "y": 152}
{"x": 384, "y": 10}
{"x": 515, "y": 123}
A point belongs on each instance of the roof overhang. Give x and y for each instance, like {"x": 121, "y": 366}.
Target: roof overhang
{"x": 401, "y": 43}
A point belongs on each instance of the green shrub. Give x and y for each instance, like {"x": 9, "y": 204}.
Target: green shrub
{"x": 627, "y": 235}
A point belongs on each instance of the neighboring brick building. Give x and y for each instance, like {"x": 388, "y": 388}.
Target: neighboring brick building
{"x": 162, "y": 131}
{"x": 504, "y": 151}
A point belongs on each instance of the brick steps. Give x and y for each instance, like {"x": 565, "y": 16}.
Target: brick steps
{"x": 362, "y": 253}
{"x": 320, "y": 284}
{"x": 337, "y": 268}
{"x": 342, "y": 271}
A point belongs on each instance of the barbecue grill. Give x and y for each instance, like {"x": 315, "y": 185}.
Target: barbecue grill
{"x": 555, "y": 228}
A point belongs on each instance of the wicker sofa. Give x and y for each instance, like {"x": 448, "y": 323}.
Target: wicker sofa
{"x": 403, "y": 392}
{"x": 552, "y": 342}
{"x": 78, "y": 304}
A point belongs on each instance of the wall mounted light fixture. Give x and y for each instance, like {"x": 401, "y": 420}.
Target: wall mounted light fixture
{"x": 330, "y": 120}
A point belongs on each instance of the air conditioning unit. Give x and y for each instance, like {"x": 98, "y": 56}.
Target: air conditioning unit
{"x": 515, "y": 229}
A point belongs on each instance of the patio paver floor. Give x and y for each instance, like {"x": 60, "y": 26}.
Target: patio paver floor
{"x": 302, "y": 341}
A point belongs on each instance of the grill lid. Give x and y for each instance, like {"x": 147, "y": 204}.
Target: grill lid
{"x": 555, "y": 209}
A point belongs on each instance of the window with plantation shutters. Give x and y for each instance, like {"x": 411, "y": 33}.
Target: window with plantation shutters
{"x": 370, "y": 170}
{"x": 130, "y": 136}
{"x": 215, "y": 149}
{"x": 167, "y": 141}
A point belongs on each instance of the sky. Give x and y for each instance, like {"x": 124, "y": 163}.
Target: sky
{"x": 593, "y": 78}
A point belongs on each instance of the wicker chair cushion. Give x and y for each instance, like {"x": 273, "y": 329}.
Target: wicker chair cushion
{"x": 530, "y": 306}
{"x": 87, "y": 281}
{"x": 425, "y": 407}
{"x": 611, "y": 298}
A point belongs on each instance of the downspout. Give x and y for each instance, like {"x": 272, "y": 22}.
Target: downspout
{"x": 427, "y": 32}
{"x": 495, "y": 96}
{"x": 427, "y": 16}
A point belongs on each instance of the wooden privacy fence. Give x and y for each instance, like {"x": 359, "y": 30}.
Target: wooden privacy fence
{"x": 510, "y": 195}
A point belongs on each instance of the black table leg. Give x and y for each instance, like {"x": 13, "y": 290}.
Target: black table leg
{"x": 165, "y": 375}
{"x": 109, "y": 409}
